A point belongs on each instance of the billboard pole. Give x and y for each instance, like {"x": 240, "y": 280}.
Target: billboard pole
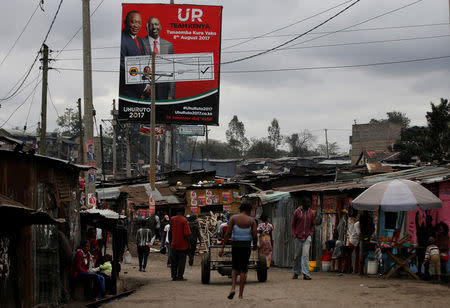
{"x": 152, "y": 128}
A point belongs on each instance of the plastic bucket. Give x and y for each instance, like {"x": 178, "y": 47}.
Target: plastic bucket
{"x": 326, "y": 266}
{"x": 372, "y": 267}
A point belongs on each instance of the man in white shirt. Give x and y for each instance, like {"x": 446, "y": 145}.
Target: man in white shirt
{"x": 154, "y": 43}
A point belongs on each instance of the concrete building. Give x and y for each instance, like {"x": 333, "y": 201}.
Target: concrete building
{"x": 380, "y": 136}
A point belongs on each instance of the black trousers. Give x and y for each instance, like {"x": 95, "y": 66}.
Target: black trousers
{"x": 178, "y": 263}
{"x": 191, "y": 251}
{"x": 143, "y": 252}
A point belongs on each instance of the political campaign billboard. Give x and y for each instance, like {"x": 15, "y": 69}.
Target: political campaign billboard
{"x": 186, "y": 40}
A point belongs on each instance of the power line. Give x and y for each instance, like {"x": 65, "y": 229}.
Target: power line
{"x": 326, "y": 32}
{"x": 295, "y": 38}
{"x": 337, "y": 67}
{"x": 294, "y": 69}
{"x": 51, "y": 100}
{"x": 35, "y": 59}
{"x": 29, "y": 109}
{"x": 20, "y": 35}
{"x": 76, "y": 32}
{"x": 31, "y": 93}
{"x": 296, "y": 48}
{"x": 289, "y": 35}
{"x": 362, "y": 22}
{"x": 282, "y": 28}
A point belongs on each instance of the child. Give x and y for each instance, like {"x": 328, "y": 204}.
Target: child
{"x": 106, "y": 270}
{"x": 433, "y": 259}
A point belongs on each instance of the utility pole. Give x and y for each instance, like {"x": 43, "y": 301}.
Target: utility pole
{"x": 152, "y": 128}
{"x": 326, "y": 141}
{"x": 103, "y": 155}
{"x": 43, "y": 131}
{"x": 87, "y": 82}
{"x": 80, "y": 134}
{"x": 128, "y": 162}
{"x": 114, "y": 123}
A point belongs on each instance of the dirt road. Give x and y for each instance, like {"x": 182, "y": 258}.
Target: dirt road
{"x": 324, "y": 290}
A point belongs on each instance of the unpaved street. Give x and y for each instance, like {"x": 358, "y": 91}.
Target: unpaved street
{"x": 324, "y": 290}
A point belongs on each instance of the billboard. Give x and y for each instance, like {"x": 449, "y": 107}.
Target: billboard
{"x": 186, "y": 40}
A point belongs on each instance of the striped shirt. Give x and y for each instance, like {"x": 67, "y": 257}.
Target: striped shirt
{"x": 143, "y": 237}
{"x": 432, "y": 254}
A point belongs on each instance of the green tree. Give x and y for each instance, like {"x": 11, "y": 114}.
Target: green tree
{"x": 261, "y": 148}
{"x": 413, "y": 143}
{"x": 235, "y": 135}
{"x": 68, "y": 123}
{"x": 393, "y": 117}
{"x": 333, "y": 149}
{"x": 275, "y": 137}
{"x": 438, "y": 120}
{"x": 216, "y": 150}
{"x": 299, "y": 143}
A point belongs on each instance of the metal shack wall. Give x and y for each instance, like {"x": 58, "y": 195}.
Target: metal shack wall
{"x": 283, "y": 250}
{"x": 49, "y": 185}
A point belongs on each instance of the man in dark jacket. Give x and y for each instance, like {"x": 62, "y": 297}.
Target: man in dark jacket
{"x": 302, "y": 229}
{"x": 193, "y": 238}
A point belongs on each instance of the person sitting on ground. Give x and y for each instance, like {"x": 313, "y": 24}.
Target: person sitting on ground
{"x": 433, "y": 259}
{"x": 80, "y": 269}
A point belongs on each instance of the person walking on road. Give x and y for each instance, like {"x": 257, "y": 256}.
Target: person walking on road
{"x": 180, "y": 244}
{"x": 242, "y": 229}
{"x": 195, "y": 235}
{"x": 302, "y": 229}
{"x": 265, "y": 229}
{"x": 143, "y": 239}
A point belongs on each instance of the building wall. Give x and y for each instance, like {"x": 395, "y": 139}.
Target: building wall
{"x": 373, "y": 137}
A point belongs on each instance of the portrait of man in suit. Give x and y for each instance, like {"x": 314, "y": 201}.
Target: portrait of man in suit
{"x": 154, "y": 43}
{"x": 131, "y": 45}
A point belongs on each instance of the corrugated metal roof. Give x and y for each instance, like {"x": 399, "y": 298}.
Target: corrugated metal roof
{"x": 426, "y": 175}
{"x": 110, "y": 214}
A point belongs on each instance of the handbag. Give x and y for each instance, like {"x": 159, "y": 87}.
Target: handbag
{"x": 444, "y": 256}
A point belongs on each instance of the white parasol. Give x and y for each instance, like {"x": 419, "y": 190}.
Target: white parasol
{"x": 395, "y": 196}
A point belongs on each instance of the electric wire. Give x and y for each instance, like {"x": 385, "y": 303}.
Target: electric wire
{"x": 18, "y": 107}
{"x": 29, "y": 110}
{"x": 20, "y": 35}
{"x": 9, "y": 96}
{"x": 51, "y": 100}
{"x": 296, "y": 48}
{"x": 289, "y": 35}
{"x": 360, "y": 23}
{"x": 295, "y": 38}
{"x": 78, "y": 31}
{"x": 285, "y": 27}
{"x": 295, "y": 69}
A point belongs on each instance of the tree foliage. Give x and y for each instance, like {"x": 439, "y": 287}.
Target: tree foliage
{"x": 275, "y": 137}
{"x": 333, "y": 149}
{"x": 261, "y": 148}
{"x": 236, "y": 135}
{"x": 431, "y": 142}
{"x": 393, "y": 117}
{"x": 438, "y": 120}
{"x": 68, "y": 123}
{"x": 299, "y": 143}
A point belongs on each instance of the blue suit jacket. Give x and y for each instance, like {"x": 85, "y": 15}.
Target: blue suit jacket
{"x": 128, "y": 48}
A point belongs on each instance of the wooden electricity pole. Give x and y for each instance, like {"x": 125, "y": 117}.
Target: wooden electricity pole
{"x": 80, "y": 134}
{"x": 43, "y": 131}
{"x": 87, "y": 82}
{"x": 326, "y": 141}
{"x": 152, "y": 127}
{"x": 114, "y": 124}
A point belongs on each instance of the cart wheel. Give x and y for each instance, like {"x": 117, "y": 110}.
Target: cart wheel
{"x": 261, "y": 269}
{"x": 206, "y": 269}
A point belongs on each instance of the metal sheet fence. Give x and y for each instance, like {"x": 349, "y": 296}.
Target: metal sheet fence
{"x": 283, "y": 250}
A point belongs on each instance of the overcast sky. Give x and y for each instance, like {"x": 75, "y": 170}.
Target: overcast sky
{"x": 312, "y": 99}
